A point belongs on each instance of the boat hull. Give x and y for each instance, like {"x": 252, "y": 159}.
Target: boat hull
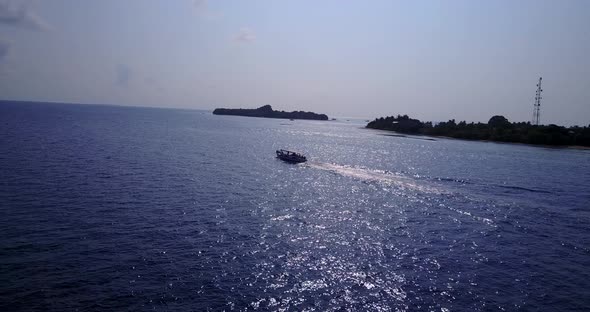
{"x": 291, "y": 157}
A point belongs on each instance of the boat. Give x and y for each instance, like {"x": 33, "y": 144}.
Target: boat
{"x": 291, "y": 157}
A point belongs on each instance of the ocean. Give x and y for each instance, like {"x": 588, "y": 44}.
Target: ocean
{"x": 124, "y": 208}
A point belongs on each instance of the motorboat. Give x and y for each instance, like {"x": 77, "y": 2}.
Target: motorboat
{"x": 291, "y": 157}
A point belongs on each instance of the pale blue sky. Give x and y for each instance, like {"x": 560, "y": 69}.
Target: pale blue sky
{"x": 433, "y": 60}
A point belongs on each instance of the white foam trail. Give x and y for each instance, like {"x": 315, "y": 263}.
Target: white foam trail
{"x": 392, "y": 179}
{"x": 371, "y": 175}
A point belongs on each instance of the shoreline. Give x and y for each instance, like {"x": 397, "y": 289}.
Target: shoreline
{"x": 409, "y": 136}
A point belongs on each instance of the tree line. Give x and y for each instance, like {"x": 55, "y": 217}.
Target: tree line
{"x": 498, "y": 128}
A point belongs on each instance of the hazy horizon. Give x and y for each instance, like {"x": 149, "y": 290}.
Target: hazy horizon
{"x": 430, "y": 60}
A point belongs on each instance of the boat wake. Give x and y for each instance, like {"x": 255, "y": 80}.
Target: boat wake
{"x": 401, "y": 185}
{"x": 376, "y": 176}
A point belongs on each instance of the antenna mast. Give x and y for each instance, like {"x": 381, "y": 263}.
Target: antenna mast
{"x": 537, "y": 105}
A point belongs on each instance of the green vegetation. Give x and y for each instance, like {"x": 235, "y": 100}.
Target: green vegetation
{"x": 497, "y": 129}
{"x": 266, "y": 111}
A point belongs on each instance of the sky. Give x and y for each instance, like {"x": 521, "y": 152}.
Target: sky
{"x": 433, "y": 60}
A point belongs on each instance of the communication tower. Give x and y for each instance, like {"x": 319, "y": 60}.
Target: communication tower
{"x": 537, "y": 105}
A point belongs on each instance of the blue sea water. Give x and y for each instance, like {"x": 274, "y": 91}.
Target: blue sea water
{"x": 119, "y": 208}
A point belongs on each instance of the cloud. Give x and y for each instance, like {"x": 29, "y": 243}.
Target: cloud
{"x": 245, "y": 35}
{"x": 123, "y": 75}
{"x": 4, "y": 49}
{"x": 17, "y": 13}
{"x": 203, "y": 10}
{"x": 201, "y": 4}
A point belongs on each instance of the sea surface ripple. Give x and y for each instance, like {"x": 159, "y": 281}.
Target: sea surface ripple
{"x": 120, "y": 208}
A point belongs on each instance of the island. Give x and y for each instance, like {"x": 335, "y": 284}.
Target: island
{"x": 497, "y": 129}
{"x": 266, "y": 111}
